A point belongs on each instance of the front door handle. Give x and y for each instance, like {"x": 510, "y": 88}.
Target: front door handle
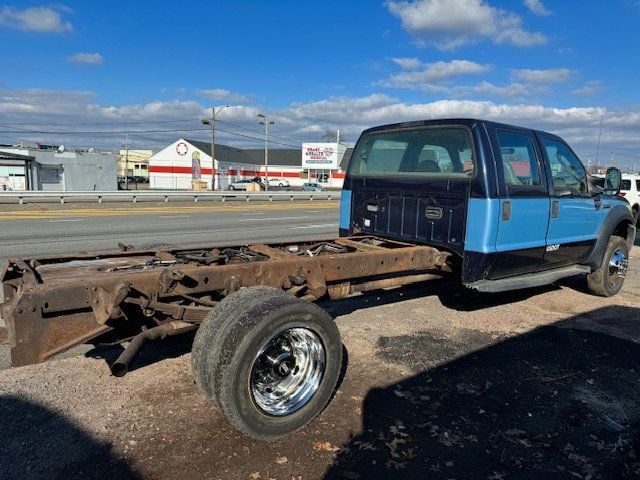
{"x": 554, "y": 209}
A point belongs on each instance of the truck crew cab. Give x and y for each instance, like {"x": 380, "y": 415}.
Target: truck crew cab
{"x": 515, "y": 206}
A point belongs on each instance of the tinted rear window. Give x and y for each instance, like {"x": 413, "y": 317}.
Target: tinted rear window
{"x": 625, "y": 185}
{"x": 424, "y": 152}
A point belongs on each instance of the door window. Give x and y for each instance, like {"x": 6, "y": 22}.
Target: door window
{"x": 567, "y": 171}
{"x": 519, "y": 160}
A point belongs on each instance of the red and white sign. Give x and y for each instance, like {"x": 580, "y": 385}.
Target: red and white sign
{"x": 320, "y": 156}
{"x": 182, "y": 149}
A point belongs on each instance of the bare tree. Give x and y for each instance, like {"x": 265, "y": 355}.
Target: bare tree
{"x": 332, "y": 136}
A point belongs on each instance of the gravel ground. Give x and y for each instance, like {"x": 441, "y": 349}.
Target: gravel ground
{"x": 542, "y": 383}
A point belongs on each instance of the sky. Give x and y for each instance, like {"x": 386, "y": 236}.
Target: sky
{"x": 97, "y": 74}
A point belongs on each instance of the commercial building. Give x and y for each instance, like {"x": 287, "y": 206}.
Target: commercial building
{"x": 134, "y": 163}
{"x": 184, "y": 161}
{"x": 57, "y": 169}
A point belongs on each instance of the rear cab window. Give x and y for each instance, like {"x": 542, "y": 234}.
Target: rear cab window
{"x": 625, "y": 185}
{"x": 425, "y": 152}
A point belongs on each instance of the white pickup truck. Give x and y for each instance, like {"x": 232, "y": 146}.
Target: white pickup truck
{"x": 630, "y": 189}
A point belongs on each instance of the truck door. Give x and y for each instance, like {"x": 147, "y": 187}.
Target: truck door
{"x": 524, "y": 203}
{"x": 576, "y": 214}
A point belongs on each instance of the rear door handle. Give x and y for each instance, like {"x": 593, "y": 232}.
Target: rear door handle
{"x": 554, "y": 209}
{"x": 506, "y": 211}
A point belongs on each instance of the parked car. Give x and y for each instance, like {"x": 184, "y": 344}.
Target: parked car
{"x": 243, "y": 184}
{"x": 312, "y": 187}
{"x": 630, "y": 189}
{"x": 279, "y": 182}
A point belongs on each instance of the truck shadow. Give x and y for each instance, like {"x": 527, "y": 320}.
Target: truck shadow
{"x": 48, "y": 446}
{"x": 152, "y": 352}
{"x": 449, "y": 291}
{"x": 561, "y": 401}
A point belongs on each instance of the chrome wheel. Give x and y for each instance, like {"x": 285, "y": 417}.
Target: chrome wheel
{"x": 287, "y": 371}
{"x": 618, "y": 266}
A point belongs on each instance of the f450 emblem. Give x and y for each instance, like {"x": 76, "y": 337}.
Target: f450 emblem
{"x": 554, "y": 247}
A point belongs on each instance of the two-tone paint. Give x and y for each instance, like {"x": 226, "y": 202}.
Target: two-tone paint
{"x": 496, "y": 230}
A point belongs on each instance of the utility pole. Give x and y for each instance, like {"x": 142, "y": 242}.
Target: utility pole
{"x": 126, "y": 162}
{"x": 599, "y": 135}
{"x": 212, "y": 121}
{"x": 266, "y": 124}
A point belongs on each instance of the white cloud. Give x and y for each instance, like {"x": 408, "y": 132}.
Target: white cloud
{"x": 35, "y": 19}
{"x": 223, "y": 95}
{"x": 408, "y": 63}
{"x": 511, "y": 90}
{"x": 551, "y": 75}
{"x": 449, "y": 25}
{"x": 50, "y": 111}
{"x": 429, "y": 76}
{"x": 537, "y": 7}
{"x": 591, "y": 88}
{"x": 90, "y": 58}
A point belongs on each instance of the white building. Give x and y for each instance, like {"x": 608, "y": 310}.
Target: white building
{"x": 176, "y": 166}
{"x": 56, "y": 169}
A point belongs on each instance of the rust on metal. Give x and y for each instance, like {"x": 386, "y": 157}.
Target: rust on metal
{"x": 51, "y": 304}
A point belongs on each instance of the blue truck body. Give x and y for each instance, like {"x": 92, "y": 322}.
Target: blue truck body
{"x": 424, "y": 183}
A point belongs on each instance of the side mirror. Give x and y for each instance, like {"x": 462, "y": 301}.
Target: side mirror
{"x": 612, "y": 182}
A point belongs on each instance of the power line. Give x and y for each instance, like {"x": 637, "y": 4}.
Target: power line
{"x": 16, "y": 125}
{"x": 97, "y": 132}
{"x": 122, "y": 132}
{"x": 254, "y": 130}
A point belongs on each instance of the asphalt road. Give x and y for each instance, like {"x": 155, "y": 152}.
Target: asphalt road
{"x": 33, "y": 231}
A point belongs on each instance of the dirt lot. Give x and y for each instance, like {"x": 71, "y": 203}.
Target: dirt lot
{"x": 439, "y": 384}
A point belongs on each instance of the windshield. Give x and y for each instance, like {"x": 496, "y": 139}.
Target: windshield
{"x": 423, "y": 152}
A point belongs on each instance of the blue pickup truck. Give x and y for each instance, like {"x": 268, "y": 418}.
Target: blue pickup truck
{"x": 514, "y": 206}
{"x": 497, "y": 206}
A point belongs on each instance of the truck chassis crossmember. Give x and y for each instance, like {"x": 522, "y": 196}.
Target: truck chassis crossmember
{"x": 52, "y": 304}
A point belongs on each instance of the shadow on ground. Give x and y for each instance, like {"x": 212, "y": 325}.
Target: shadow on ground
{"x": 450, "y": 293}
{"x": 448, "y": 290}
{"x": 150, "y": 353}
{"x": 48, "y": 446}
{"x": 559, "y": 402}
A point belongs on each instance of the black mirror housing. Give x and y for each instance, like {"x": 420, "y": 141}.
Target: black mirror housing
{"x": 612, "y": 182}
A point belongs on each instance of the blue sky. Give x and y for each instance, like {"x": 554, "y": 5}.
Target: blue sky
{"x": 84, "y": 72}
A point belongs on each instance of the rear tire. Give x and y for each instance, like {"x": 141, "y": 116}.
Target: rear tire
{"x": 271, "y": 365}
{"x": 207, "y": 337}
{"x": 231, "y": 187}
{"x": 607, "y": 280}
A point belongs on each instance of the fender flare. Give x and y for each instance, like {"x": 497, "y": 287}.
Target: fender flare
{"x": 619, "y": 214}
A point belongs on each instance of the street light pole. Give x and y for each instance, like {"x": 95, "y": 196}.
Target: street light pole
{"x": 266, "y": 124}
{"x": 212, "y": 121}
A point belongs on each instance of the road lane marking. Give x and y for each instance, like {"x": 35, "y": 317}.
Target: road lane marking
{"x": 174, "y": 216}
{"x": 67, "y": 220}
{"x": 255, "y": 213}
{"x": 318, "y": 225}
{"x": 269, "y": 219}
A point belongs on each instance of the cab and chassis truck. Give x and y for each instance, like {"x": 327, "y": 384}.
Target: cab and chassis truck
{"x": 497, "y": 206}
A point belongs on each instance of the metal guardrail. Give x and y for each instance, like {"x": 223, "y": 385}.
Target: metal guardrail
{"x": 135, "y": 196}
